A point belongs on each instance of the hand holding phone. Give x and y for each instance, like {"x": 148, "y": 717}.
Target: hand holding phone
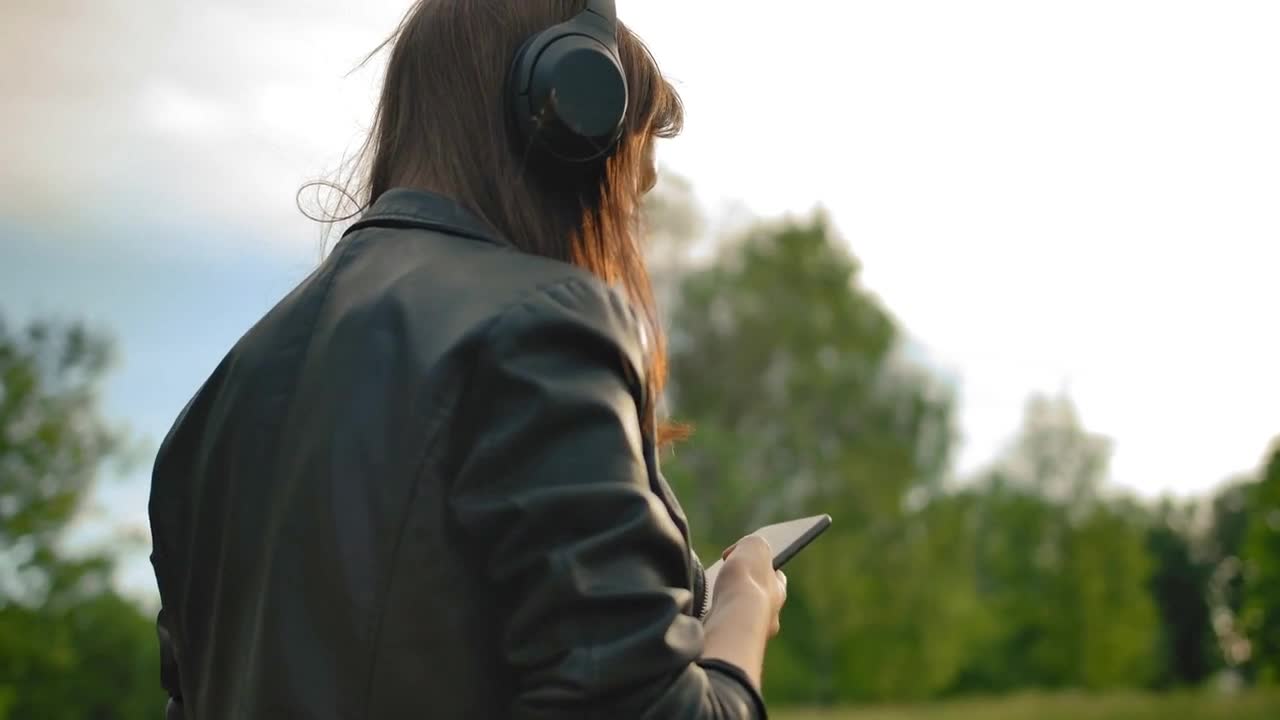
{"x": 785, "y": 539}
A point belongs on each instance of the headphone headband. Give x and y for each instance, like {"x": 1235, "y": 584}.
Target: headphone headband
{"x": 607, "y": 9}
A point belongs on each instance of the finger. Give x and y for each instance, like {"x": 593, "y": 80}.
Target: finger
{"x": 782, "y": 582}
{"x": 727, "y": 551}
{"x": 758, "y": 543}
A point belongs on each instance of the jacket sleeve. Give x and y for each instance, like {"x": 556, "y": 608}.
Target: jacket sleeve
{"x": 169, "y": 668}
{"x": 589, "y": 568}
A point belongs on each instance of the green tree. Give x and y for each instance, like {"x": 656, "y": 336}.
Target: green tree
{"x": 1180, "y": 589}
{"x": 70, "y": 647}
{"x": 1063, "y": 571}
{"x": 1224, "y": 552}
{"x": 1262, "y": 578}
{"x": 804, "y": 402}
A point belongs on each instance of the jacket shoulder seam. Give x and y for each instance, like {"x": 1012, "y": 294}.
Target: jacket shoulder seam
{"x": 528, "y": 300}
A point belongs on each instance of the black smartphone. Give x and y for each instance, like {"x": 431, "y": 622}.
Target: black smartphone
{"x": 786, "y": 539}
{"x": 789, "y": 538}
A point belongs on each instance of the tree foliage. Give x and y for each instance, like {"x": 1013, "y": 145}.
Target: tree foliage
{"x": 1262, "y": 579}
{"x": 805, "y": 400}
{"x": 1181, "y": 573}
{"x": 1064, "y": 570}
{"x": 70, "y": 646}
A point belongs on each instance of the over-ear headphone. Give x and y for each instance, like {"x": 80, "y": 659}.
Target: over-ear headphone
{"x": 567, "y": 91}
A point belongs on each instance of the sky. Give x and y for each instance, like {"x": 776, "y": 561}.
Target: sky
{"x": 1050, "y": 196}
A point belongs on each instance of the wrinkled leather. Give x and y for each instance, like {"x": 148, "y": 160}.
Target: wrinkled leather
{"x": 419, "y": 488}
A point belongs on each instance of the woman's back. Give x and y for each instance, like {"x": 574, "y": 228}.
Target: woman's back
{"x": 336, "y": 518}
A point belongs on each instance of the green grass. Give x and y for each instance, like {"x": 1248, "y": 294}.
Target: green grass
{"x": 1256, "y": 705}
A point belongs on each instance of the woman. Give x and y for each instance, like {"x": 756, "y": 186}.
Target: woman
{"x": 425, "y": 484}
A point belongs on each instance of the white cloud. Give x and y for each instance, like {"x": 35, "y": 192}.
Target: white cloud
{"x": 213, "y": 111}
{"x": 173, "y": 111}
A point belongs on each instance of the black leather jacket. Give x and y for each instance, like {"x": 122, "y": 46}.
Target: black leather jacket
{"x": 418, "y": 488}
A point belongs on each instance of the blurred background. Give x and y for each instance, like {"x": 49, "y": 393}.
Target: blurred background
{"x": 991, "y": 282}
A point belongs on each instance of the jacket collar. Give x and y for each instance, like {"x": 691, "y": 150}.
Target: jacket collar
{"x": 410, "y": 207}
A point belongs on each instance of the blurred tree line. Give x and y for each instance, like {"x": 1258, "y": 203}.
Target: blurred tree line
{"x": 1033, "y": 574}
{"x": 805, "y": 398}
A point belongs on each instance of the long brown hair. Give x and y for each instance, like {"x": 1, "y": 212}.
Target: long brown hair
{"x": 441, "y": 126}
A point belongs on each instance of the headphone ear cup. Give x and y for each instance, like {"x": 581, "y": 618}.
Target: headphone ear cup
{"x": 567, "y": 93}
{"x": 578, "y": 96}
